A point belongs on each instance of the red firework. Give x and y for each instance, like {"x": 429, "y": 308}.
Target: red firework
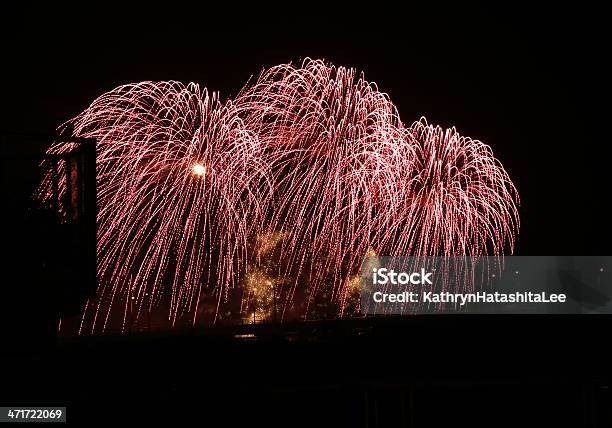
{"x": 351, "y": 180}
{"x": 178, "y": 178}
{"x": 315, "y": 154}
{"x": 463, "y": 201}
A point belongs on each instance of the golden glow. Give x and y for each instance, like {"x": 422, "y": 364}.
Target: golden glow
{"x": 267, "y": 242}
{"x": 263, "y": 285}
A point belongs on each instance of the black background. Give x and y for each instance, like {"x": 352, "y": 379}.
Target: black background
{"x": 532, "y": 83}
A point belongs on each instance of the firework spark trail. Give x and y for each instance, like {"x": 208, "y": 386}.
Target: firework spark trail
{"x": 313, "y": 152}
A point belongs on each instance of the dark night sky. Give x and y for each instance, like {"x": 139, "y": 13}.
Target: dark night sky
{"x": 530, "y": 83}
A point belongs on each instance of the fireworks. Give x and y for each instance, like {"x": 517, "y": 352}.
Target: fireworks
{"x": 312, "y": 161}
{"x": 350, "y": 178}
{"x": 178, "y": 180}
{"x": 463, "y": 199}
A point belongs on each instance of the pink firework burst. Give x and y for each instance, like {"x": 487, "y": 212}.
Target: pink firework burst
{"x": 463, "y": 201}
{"x": 178, "y": 179}
{"x": 314, "y": 154}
